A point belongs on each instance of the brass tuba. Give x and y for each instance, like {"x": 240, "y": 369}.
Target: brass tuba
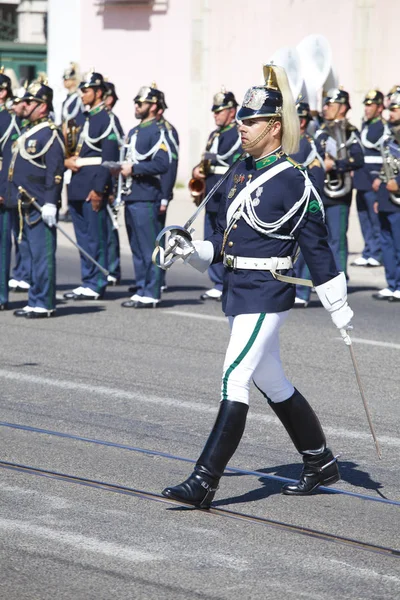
{"x": 197, "y": 186}
{"x": 337, "y": 184}
{"x": 391, "y": 165}
{"x": 71, "y": 135}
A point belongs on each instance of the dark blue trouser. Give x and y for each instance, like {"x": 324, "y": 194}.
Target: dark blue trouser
{"x": 162, "y": 217}
{"x": 113, "y": 249}
{"x": 22, "y": 268}
{"x": 337, "y": 222}
{"x": 215, "y": 272}
{"x": 91, "y": 233}
{"x": 142, "y": 225}
{"x": 390, "y": 243}
{"x": 369, "y": 223}
{"x": 42, "y": 241}
{"x": 5, "y": 251}
{"x": 301, "y": 270}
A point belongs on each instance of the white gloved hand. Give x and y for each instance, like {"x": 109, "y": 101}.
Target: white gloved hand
{"x": 49, "y": 214}
{"x": 333, "y": 296}
{"x": 202, "y": 256}
{"x": 180, "y": 246}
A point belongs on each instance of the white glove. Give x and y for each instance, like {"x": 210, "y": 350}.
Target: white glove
{"x": 181, "y": 246}
{"x": 49, "y": 214}
{"x": 333, "y": 296}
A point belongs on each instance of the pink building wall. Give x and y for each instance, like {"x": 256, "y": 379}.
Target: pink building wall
{"x": 191, "y": 47}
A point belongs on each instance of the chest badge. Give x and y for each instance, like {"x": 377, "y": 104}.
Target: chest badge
{"x": 238, "y": 178}
{"x": 256, "y": 201}
{"x": 232, "y": 192}
{"x": 31, "y": 148}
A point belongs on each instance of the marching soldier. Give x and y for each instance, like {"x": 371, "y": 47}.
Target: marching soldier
{"x": 388, "y": 206}
{"x": 269, "y": 205}
{"x": 168, "y": 179}
{"x": 338, "y": 142}
{"x": 90, "y": 186}
{"x": 309, "y": 158}
{"x": 36, "y": 171}
{"x": 9, "y": 132}
{"x": 145, "y": 161}
{"x": 373, "y": 132}
{"x": 113, "y": 245}
{"x": 222, "y": 149}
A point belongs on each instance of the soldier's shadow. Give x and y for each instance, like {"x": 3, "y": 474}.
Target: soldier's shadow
{"x": 78, "y": 309}
{"x": 348, "y": 470}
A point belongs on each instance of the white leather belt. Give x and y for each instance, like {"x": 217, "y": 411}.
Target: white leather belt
{"x": 258, "y": 264}
{"x": 218, "y": 170}
{"x": 86, "y": 162}
{"x": 377, "y": 160}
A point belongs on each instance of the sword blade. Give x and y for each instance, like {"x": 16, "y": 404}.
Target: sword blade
{"x": 348, "y": 342}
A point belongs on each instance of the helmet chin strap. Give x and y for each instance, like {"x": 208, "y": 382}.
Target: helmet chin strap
{"x": 34, "y": 108}
{"x": 268, "y": 127}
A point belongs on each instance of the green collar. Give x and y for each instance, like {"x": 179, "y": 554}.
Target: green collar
{"x": 2, "y": 107}
{"x": 375, "y": 120}
{"x": 146, "y": 123}
{"x": 96, "y": 109}
{"x": 42, "y": 120}
{"x": 227, "y": 127}
{"x": 268, "y": 160}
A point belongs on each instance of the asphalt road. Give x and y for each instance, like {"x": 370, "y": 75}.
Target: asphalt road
{"x": 149, "y": 380}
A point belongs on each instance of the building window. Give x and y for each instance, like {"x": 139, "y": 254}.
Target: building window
{"x": 8, "y": 22}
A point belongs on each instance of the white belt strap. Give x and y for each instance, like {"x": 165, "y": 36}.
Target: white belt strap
{"x": 273, "y": 264}
{"x": 89, "y": 161}
{"x": 376, "y": 160}
{"x": 216, "y": 170}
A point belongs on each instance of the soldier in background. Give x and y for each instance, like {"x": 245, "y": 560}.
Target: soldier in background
{"x": 372, "y": 133}
{"x": 71, "y": 107}
{"x": 146, "y": 160}
{"x": 338, "y": 188}
{"x": 168, "y": 179}
{"x": 388, "y": 208}
{"x": 9, "y": 132}
{"x": 37, "y": 166}
{"x": 222, "y": 149}
{"x": 90, "y": 186}
{"x": 21, "y": 273}
{"x": 309, "y": 158}
{"x": 113, "y": 244}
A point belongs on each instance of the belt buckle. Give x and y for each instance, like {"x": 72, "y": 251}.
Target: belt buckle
{"x": 229, "y": 260}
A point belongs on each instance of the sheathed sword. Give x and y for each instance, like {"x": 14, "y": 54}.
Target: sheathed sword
{"x": 347, "y": 340}
{"x": 185, "y": 231}
{"x": 31, "y": 200}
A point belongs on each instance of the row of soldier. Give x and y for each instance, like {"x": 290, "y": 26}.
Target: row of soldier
{"x": 143, "y": 176}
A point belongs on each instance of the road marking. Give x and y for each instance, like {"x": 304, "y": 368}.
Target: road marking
{"x": 116, "y": 393}
{"x": 194, "y": 315}
{"x": 78, "y": 541}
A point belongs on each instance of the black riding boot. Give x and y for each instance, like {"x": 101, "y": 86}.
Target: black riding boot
{"x": 304, "y": 428}
{"x": 199, "y": 489}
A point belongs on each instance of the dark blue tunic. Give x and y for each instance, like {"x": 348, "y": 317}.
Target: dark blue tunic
{"x": 251, "y": 291}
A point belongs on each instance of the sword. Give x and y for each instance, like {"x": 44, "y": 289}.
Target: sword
{"x": 32, "y": 201}
{"x": 347, "y": 340}
{"x": 184, "y": 231}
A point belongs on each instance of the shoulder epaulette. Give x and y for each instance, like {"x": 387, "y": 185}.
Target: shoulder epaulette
{"x": 294, "y": 163}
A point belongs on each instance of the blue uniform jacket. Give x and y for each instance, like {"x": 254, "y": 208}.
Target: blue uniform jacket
{"x": 248, "y": 291}
{"x": 308, "y": 157}
{"x": 372, "y": 134}
{"x": 168, "y": 179}
{"x": 10, "y": 129}
{"x": 72, "y": 106}
{"x": 225, "y": 145}
{"x": 98, "y": 137}
{"x": 148, "y": 151}
{"x": 353, "y": 162}
{"x": 37, "y": 163}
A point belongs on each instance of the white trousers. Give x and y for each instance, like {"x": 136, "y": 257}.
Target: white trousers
{"x": 253, "y": 354}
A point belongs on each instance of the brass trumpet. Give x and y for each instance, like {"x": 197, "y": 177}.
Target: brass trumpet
{"x": 197, "y": 185}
